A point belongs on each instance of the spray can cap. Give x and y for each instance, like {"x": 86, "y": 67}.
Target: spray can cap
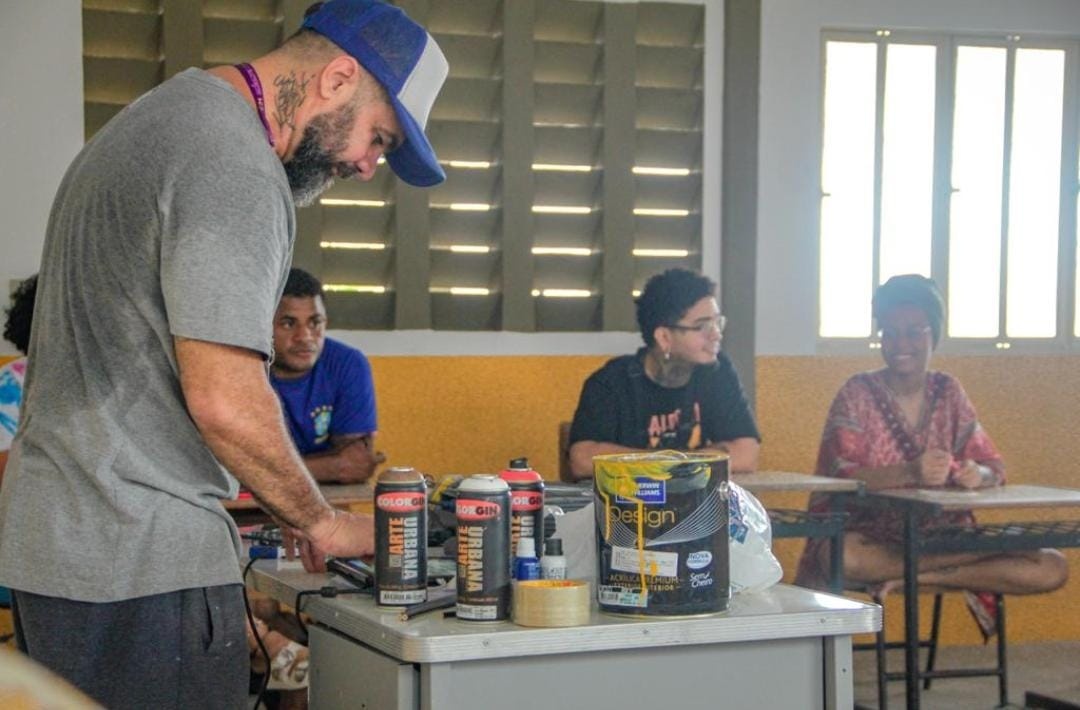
{"x": 520, "y": 463}
{"x": 526, "y": 547}
{"x": 553, "y": 546}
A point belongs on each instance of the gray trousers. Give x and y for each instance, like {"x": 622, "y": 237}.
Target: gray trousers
{"x": 184, "y": 649}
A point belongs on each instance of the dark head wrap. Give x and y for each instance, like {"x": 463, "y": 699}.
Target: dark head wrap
{"x": 911, "y": 290}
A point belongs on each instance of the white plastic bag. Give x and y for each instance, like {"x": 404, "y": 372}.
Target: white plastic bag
{"x": 753, "y": 567}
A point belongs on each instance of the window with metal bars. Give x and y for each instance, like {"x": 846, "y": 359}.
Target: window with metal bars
{"x": 955, "y": 157}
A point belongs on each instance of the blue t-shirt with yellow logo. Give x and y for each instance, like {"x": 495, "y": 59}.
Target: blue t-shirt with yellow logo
{"x": 336, "y": 397}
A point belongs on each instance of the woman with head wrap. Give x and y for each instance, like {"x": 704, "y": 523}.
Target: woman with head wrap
{"x": 905, "y": 426}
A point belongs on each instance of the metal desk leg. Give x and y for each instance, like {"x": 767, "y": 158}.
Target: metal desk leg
{"x": 1003, "y": 679}
{"x": 839, "y": 694}
{"x": 911, "y": 609}
{"x": 836, "y": 553}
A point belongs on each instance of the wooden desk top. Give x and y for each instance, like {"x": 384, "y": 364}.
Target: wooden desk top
{"x": 1008, "y": 496}
{"x": 775, "y": 481}
{"x": 336, "y": 494}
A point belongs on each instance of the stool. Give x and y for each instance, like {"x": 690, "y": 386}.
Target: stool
{"x": 880, "y": 646}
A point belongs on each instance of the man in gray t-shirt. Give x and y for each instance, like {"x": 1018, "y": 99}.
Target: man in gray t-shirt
{"x": 166, "y": 252}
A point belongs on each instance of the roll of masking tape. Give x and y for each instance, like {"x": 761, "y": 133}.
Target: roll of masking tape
{"x": 551, "y": 602}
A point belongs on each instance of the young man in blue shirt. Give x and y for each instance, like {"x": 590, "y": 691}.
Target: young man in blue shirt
{"x": 325, "y": 387}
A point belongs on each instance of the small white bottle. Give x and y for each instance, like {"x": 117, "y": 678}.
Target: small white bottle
{"x": 553, "y": 564}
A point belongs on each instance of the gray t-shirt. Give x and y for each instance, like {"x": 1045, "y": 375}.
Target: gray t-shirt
{"x": 175, "y": 220}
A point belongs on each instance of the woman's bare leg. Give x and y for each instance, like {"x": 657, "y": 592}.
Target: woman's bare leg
{"x": 1028, "y": 572}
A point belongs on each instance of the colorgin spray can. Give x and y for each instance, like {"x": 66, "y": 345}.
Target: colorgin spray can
{"x": 400, "y": 537}
{"x": 526, "y": 504}
{"x": 483, "y": 564}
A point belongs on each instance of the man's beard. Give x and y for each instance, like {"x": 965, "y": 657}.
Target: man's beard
{"x": 312, "y": 169}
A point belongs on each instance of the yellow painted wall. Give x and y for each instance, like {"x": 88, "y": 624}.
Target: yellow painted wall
{"x": 473, "y": 414}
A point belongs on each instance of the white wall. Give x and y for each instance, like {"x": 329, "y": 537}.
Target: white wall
{"x": 41, "y": 124}
{"x": 790, "y": 131}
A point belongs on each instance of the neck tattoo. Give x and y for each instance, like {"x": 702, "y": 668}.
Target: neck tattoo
{"x": 291, "y": 92}
{"x": 668, "y": 373}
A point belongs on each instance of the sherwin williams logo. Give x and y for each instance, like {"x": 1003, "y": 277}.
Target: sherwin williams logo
{"x": 468, "y": 509}
{"x": 526, "y": 500}
{"x": 401, "y": 502}
{"x": 699, "y": 560}
{"x": 649, "y": 491}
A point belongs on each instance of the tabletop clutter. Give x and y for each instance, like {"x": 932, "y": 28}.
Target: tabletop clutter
{"x": 658, "y": 534}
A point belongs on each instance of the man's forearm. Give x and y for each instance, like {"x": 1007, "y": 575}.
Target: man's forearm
{"x": 582, "y": 452}
{"x": 256, "y": 449}
{"x": 351, "y": 458}
{"x": 239, "y": 417}
{"x": 742, "y": 453}
{"x": 325, "y": 466}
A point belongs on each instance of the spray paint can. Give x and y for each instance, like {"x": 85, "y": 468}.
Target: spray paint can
{"x": 526, "y": 504}
{"x": 400, "y": 537}
{"x": 483, "y": 532}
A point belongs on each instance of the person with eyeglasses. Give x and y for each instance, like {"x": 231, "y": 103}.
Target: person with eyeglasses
{"x": 677, "y": 392}
{"x": 906, "y": 426}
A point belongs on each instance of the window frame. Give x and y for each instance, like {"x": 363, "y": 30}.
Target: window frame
{"x": 1069, "y": 180}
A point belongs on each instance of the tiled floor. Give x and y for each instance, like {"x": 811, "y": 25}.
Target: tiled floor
{"x": 1052, "y": 669}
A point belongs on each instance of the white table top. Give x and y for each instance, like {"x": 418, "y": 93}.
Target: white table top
{"x": 775, "y": 481}
{"x": 780, "y": 612}
{"x": 1008, "y": 496}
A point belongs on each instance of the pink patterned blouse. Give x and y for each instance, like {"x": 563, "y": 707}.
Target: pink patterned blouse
{"x": 866, "y": 429}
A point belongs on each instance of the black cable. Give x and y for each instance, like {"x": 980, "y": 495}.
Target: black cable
{"x": 327, "y": 592}
{"x": 260, "y": 700}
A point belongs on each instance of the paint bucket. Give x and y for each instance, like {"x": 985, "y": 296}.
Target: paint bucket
{"x": 662, "y": 533}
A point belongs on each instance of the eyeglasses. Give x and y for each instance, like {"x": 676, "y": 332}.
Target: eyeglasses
{"x": 910, "y": 334}
{"x": 705, "y": 325}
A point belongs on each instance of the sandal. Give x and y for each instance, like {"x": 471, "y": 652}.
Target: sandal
{"x": 983, "y": 608}
{"x": 289, "y": 668}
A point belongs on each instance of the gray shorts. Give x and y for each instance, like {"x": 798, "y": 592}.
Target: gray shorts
{"x": 179, "y": 650}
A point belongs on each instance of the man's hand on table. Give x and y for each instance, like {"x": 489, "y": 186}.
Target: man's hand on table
{"x": 340, "y": 534}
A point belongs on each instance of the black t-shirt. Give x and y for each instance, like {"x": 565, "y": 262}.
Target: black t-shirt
{"x": 620, "y": 405}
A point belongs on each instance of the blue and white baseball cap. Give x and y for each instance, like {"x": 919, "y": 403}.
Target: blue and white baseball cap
{"x": 405, "y": 59}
